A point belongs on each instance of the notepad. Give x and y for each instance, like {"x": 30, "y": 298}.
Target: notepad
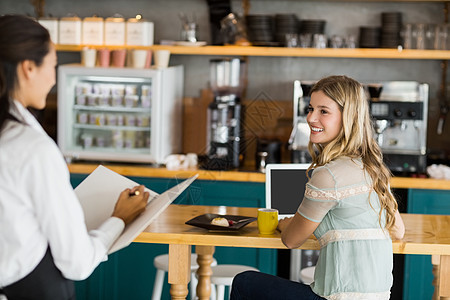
{"x": 99, "y": 192}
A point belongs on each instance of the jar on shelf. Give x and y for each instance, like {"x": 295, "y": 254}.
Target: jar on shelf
{"x": 115, "y": 30}
{"x": 129, "y": 139}
{"x": 117, "y": 139}
{"x": 130, "y": 120}
{"x": 139, "y": 32}
{"x": 80, "y": 99}
{"x": 111, "y": 119}
{"x": 70, "y": 30}
{"x": 92, "y": 31}
{"x": 82, "y": 117}
{"x": 104, "y": 100}
{"x": 131, "y": 100}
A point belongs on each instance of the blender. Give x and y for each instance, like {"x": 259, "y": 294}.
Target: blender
{"x": 224, "y": 133}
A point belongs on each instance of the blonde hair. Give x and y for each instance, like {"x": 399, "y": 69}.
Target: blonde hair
{"x": 355, "y": 138}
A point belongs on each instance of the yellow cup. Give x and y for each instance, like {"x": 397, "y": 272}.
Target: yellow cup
{"x": 267, "y": 220}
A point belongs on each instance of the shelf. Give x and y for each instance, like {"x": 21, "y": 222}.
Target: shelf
{"x": 110, "y": 128}
{"x": 122, "y": 109}
{"x": 115, "y": 150}
{"x": 284, "y": 52}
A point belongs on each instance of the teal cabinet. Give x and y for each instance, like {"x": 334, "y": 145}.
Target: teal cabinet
{"x": 418, "y": 275}
{"x": 129, "y": 273}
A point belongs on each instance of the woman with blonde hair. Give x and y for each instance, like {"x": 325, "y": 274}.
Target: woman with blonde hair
{"x": 347, "y": 205}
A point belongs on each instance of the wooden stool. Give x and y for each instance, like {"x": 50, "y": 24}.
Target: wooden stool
{"x": 161, "y": 263}
{"x": 436, "y": 261}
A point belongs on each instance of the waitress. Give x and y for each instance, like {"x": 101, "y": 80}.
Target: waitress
{"x": 44, "y": 244}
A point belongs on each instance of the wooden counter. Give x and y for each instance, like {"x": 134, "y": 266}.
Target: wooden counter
{"x": 148, "y": 171}
{"x": 425, "y": 234}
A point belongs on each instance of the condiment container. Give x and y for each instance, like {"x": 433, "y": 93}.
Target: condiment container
{"x": 115, "y": 30}
{"x": 52, "y": 25}
{"x": 70, "y": 30}
{"x": 139, "y": 32}
{"x": 93, "y": 28}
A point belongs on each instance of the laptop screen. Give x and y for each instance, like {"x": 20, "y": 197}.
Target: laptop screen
{"x": 285, "y": 187}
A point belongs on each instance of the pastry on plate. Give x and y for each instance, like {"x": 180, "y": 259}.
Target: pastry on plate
{"x": 219, "y": 221}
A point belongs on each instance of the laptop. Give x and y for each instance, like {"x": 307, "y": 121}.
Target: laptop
{"x": 99, "y": 192}
{"x": 285, "y": 187}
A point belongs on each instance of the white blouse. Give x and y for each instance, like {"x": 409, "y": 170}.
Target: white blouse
{"x": 38, "y": 207}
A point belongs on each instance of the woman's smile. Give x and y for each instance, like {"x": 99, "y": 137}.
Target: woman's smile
{"x": 316, "y": 129}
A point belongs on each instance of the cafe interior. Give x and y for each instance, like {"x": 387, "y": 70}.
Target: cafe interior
{"x": 220, "y": 88}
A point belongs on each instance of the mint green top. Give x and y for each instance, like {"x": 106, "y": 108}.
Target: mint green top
{"x": 355, "y": 259}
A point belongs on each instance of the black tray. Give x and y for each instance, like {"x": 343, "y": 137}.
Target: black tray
{"x": 204, "y": 221}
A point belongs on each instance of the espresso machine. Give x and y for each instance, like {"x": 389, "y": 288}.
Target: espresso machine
{"x": 299, "y": 138}
{"x": 400, "y": 113}
{"x": 225, "y": 138}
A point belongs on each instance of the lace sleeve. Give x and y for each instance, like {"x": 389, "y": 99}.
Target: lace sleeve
{"x": 320, "y": 195}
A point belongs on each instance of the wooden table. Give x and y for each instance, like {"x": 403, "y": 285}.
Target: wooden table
{"x": 425, "y": 234}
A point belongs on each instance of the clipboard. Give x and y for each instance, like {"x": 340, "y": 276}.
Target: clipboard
{"x": 98, "y": 194}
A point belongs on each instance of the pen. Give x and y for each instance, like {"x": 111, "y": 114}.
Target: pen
{"x": 136, "y": 193}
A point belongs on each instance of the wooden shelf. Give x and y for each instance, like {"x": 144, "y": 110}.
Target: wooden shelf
{"x": 284, "y": 52}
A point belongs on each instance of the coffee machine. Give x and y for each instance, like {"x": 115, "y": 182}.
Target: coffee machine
{"x": 400, "y": 113}
{"x": 225, "y": 138}
{"x": 299, "y": 138}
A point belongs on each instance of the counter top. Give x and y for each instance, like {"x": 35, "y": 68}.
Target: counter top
{"x": 148, "y": 171}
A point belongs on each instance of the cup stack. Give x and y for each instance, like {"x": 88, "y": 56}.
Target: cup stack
{"x": 312, "y": 26}
{"x": 391, "y": 25}
{"x": 261, "y": 29}
{"x": 369, "y": 37}
{"x": 285, "y": 24}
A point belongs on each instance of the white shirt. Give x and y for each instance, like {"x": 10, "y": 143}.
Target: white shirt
{"x": 38, "y": 207}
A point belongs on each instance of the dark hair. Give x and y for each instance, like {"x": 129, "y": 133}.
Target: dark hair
{"x": 21, "y": 38}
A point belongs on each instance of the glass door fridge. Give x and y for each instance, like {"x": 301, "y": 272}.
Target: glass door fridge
{"x": 119, "y": 114}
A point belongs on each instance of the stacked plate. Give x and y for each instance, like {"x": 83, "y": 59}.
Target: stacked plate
{"x": 391, "y": 25}
{"x": 312, "y": 26}
{"x": 261, "y": 29}
{"x": 285, "y": 24}
{"x": 369, "y": 37}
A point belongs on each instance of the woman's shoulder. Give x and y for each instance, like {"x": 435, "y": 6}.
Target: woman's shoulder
{"x": 322, "y": 178}
{"x": 21, "y": 139}
{"x": 345, "y": 162}
{"x": 15, "y": 132}
{"x": 338, "y": 172}
{"x": 339, "y": 164}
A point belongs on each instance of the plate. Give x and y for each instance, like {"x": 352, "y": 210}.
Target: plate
{"x": 191, "y": 44}
{"x": 204, "y": 221}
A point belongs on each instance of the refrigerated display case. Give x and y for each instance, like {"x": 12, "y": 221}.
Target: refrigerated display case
{"x": 119, "y": 114}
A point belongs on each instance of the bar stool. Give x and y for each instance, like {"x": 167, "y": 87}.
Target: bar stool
{"x": 307, "y": 275}
{"x": 223, "y": 275}
{"x": 161, "y": 263}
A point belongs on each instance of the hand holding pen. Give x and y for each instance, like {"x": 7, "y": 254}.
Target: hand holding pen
{"x": 131, "y": 203}
{"x": 135, "y": 191}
